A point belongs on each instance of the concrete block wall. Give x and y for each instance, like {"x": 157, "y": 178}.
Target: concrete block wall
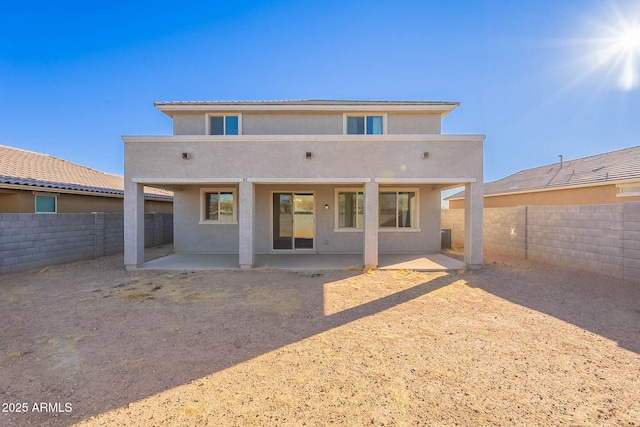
{"x": 113, "y": 234}
{"x": 588, "y": 237}
{"x": 37, "y": 240}
{"x": 504, "y": 230}
{"x": 631, "y": 240}
{"x": 167, "y": 232}
{"x": 454, "y": 220}
{"x": 149, "y": 230}
{"x": 600, "y": 238}
{"x": 158, "y": 229}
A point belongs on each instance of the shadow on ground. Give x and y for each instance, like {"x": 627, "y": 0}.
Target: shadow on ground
{"x": 84, "y": 334}
{"x": 603, "y": 305}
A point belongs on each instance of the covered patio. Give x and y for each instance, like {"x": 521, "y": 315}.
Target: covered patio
{"x": 190, "y": 262}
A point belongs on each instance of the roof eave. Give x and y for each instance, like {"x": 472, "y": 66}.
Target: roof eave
{"x": 170, "y": 108}
{"x": 94, "y": 191}
{"x": 543, "y": 189}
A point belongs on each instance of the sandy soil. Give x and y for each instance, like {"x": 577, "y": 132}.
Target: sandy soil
{"x": 513, "y": 344}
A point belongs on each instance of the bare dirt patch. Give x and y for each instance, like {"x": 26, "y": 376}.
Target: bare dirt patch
{"x": 512, "y": 344}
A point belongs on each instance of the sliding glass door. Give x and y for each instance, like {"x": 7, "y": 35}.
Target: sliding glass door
{"x": 293, "y": 221}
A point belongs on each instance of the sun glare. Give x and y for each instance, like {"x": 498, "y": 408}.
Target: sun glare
{"x": 630, "y": 40}
{"x": 628, "y": 46}
{"x": 616, "y": 50}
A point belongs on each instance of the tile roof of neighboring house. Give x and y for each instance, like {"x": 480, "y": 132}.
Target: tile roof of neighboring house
{"x": 602, "y": 168}
{"x": 21, "y": 167}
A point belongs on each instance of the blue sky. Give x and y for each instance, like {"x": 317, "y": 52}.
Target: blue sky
{"x": 531, "y": 75}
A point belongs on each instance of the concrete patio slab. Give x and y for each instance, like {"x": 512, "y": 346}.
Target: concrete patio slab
{"x": 192, "y": 262}
{"x": 309, "y": 261}
{"x": 429, "y": 262}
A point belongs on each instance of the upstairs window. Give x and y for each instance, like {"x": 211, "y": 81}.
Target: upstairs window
{"x": 224, "y": 125}
{"x": 365, "y": 125}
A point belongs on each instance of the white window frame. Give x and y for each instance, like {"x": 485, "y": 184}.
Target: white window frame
{"x": 345, "y": 117}
{"x": 224, "y": 123}
{"x": 35, "y": 202}
{"x": 416, "y": 227}
{"x": 203, "y": 205}
{"x": 315, "y": 234}
{"x": 622, "y": 193}
{"x": 336, "y": 222}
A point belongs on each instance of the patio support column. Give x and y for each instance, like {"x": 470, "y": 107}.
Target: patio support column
{"x": 246, "y": 215}
{"x": 473, "y": 207}
{"x": 371, "y": 225}
{"x": 133, "y": 225}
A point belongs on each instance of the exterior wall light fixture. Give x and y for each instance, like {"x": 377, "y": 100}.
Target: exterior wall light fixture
{"x": 308, "y": 155}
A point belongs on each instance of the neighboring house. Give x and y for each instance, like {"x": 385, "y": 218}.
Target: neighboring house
{"x": 607, "y": 178}
{"x": 304, "y": 177}
{"x": 38, "y": 183}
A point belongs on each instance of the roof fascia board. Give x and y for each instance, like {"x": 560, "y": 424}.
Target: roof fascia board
{"x": 443, "y": 109}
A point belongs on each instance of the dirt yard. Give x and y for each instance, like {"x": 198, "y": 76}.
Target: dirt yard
{"x": 513, "y": 344}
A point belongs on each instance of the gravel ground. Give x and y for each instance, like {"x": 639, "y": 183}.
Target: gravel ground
{"x": 513, "y": 344}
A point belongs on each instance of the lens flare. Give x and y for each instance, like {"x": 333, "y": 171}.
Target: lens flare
{"x": 620, "y": 49}
{"x": 629, "y": 41}
{"x": 627, "y": 46}
{"x": 613, "y": 48}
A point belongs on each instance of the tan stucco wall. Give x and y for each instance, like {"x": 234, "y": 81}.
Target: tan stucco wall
{"x": 193, "y": 237}
{"x": 601, "y": 195}
{"x": 339, "y": 158}
{"x": 413, "y": 123}
{"x": 9, "y": 202}
{"x": 189, "y": 124}
{"x": 24, "y": 202}
{"x": 71, "y": 203}
{"x": 190, "y": 235}
{"x": 291, "y": 124}
{"x": 158, "y": 206}
{"x": 428, "y": 239}
{"x": 329, "y": 123}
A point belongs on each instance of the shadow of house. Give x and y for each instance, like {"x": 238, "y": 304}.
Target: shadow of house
{"x": 220, "y": 322}
{"x": 599, "y": 304}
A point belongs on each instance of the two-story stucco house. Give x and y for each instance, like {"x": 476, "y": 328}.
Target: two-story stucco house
{"x": 322, "y": 177}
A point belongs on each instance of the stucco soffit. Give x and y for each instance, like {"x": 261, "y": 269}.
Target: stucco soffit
{"x": 309, "y": 180}
{"x": 423, "y": 180}
{"x": 185, "y": 180}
